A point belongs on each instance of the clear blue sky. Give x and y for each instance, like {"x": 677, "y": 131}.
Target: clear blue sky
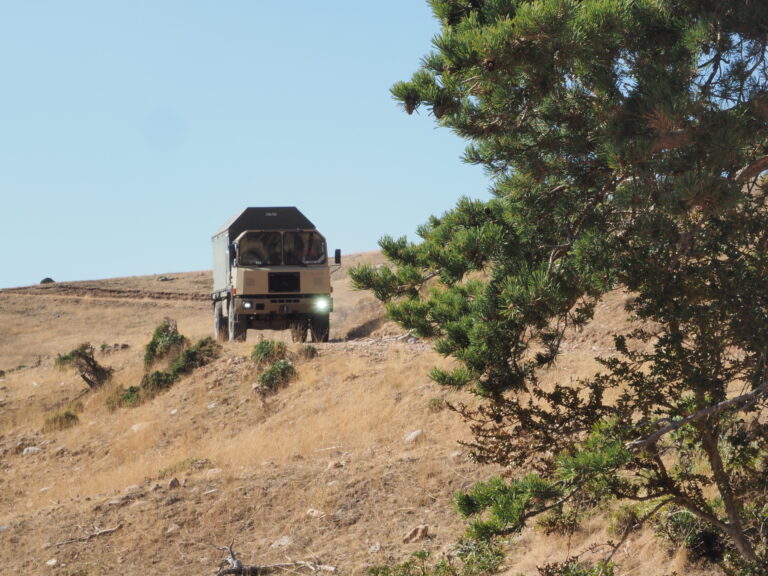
{"x": 131, "y": 131}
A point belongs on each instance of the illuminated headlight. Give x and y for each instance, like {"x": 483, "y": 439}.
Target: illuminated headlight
{"x": 322, "y": 304}
{"x": 247, "y": 305}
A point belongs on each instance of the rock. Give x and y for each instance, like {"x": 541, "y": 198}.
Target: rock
{"x": 4, "y": 528}
{"x": 213, "y": 472}
{"x": 31, "y": 451}
{"x": 421, "y": 532}
{"x": 52, "y": 562}
{"x": 139, "y": 426}
{"x": 281, "y": 542}
{"x": 413, "y": 437}
{"x": 174, "y": 483}
{"x": 172, "y": 529}
{"x": 457, "y": 455}
{"x": 336, "y": 464}
{"x": 314, "y": 513}
{"x": 174, "y": 412}
{"x": 375, "y": 548}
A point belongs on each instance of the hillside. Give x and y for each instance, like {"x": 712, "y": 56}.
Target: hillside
{"x": 319, "y": 471}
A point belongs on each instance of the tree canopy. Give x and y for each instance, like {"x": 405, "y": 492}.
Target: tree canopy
{"x": 625, "y": 140}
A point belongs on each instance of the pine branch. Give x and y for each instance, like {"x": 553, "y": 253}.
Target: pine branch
{"x": 752, "y": 170}
{"x": 748, "y": 398}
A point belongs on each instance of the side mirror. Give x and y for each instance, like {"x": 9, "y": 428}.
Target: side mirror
{"x": 337, "y": 256}
{"x": 233, "y": 254}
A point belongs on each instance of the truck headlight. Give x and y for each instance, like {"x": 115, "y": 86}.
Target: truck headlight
{"x": 322, "y": 304}
{"x": 247, "y": 305}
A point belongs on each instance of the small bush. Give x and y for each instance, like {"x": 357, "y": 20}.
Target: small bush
{"x": 268, "y": 352}
{"x": 573, "y": 567}
{"x": 183, "y": 466}
{"x": 47, "y": 280}
{"x": 155, "y": 382}
{"x": 61, "y": 421}
{"x": 81, "y": 358}
{"x": 702, "y": 540}
{"x": 124, "y": 398}
{"x": 468, "y": 558}
{"x": 166, "y": 339}
{"x": 308, "y": 352}
{"x": 2, "y": 373}
{"x": 437, "y": 404}
{"x": 196, "y": 356}
{"x": 279, "y": 374}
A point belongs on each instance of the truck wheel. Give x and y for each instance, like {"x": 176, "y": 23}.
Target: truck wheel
{"x": 299, "y": 329}
{"x": 220, "y": 330}
{"x": 236, "y": 325}
{"x": 320, "y": 327}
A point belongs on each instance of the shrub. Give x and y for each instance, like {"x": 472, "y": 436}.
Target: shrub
{"x": 437, "y": 404}
{"x": 468, "y": 558}
{"x": 47, "y": 280}
{"x": 122, "y": 398}
{"x": 573, "y": 567}
{"x": 81, "y": 358}
{"x": 61, "y": 421}
{"x": 155, "y": 382}
{"x": 308, "y": 352}
{"x": 165, "y": 340}
{"x": 702, "y": 540}
{"x": 2, "y": 373}
{"x": 279, "y": 374}
{"x": 268, "y": 351}
{"x": 196, "y": 356}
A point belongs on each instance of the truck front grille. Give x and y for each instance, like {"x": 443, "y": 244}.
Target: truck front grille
{"x": 284, "y": 281}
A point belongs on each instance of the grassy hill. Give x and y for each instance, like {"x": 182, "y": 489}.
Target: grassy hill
{"x": 326, "y": 469}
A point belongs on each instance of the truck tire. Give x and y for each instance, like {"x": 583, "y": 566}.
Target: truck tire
{"x": 320, "y": 325}
{"x": 235, "y": 324}
{"x": 220, "y": 329}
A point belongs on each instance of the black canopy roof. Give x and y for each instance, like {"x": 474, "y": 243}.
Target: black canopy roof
{"x": 266, "y": 218}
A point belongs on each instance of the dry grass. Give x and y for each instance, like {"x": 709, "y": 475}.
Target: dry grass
{"x": 318, "y": 468}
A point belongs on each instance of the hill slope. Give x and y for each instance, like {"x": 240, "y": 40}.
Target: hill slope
{"x": 321, "y": 470}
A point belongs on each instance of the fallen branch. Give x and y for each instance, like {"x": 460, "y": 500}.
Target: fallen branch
{"x": 90, "y": 535}
{"x": 239, "y": 569}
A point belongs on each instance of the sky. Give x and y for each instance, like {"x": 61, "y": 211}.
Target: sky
{"x": 130, "y": 132}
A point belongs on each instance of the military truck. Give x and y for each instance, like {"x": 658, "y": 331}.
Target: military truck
{"x": 271, "y": 272}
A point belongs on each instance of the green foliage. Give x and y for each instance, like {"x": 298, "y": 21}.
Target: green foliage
{"x": 625, "y": 140}
{"x": 277, "y": 375}
{"x": 468, "y": 558}
{"x": 47, "y": 280}
{"x": 81, "y": 358}
{"x": 437, "y": 404}
{"x": 153, "y": 383}
{"x": 268, "y": 351}
{"x": 308, "y": 352}
{"x": 166, "y": 340}
{"x": 61, "y": 421}
{"x": 575, "y": 567}
{"x": 701, "y": 539}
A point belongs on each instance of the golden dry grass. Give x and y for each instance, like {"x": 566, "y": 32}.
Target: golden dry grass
{"x": 319, "y": 469}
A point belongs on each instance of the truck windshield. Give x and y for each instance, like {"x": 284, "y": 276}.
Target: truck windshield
{"x": 260, "y": 249}
{"x": 304, "y": 248}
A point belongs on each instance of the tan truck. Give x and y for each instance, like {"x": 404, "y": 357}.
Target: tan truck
{"x": 271, "y": 272}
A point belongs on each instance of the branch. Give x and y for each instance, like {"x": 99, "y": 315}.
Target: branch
{"x": 748, "y": 398}
{"x": 88, "y": 536}
{"x": 752, "y": 170}
{"x": 239, "y": 569}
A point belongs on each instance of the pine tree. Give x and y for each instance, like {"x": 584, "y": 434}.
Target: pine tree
{"x": 625, "y": 140}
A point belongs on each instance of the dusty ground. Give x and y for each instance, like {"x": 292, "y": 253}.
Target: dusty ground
{"x": 319, "y": 471}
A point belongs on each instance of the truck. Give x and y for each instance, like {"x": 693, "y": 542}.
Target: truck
{"x": 271, "y": 272}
